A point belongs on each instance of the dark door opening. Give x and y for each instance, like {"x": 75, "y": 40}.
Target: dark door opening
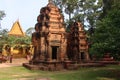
{"x": 82, "y": 55}
{"x": 54, "y": 52}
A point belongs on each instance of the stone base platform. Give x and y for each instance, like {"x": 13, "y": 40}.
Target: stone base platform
{"x": 109, "y": 62}
{"x": 98, "y": 63}
{"x": 51, "y": 65}
{"x": 68, "y": 65}
{"x": 91, "y": 65}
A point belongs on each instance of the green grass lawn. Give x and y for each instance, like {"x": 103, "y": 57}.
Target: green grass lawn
{"x": 99, "y": 73}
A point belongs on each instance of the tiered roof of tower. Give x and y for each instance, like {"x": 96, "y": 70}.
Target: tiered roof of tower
{"x": 50, "y": 17}
{"x": 16, "y": 30}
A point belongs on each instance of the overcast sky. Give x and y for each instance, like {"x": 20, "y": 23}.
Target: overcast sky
{"x": 24, "y": 10}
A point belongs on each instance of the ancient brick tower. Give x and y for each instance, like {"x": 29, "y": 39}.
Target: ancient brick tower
{"x": 54, "y": 48}
{"x": 77, "y": 46}
{"x": 49, "y": 40}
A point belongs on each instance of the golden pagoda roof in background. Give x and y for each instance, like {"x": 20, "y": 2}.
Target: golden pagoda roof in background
{"x": 16, "y": 30}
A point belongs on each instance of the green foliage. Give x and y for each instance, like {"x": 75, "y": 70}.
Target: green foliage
{"x": 3, "y": 38}
{"x": 108, "y": 5}
{"x": 106, "y": 37}
{"x": 67, "y": 6}
{"x": 19, "y": 40}
{"x": 85, "y": 11}
{"x": 89, "y": 11}
{"x": 2, "y": 14}
{"x": 29, "y": 31}
{"x": 12, "y": 40}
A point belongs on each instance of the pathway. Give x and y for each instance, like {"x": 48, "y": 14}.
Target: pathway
{"x": 15, "y": 62}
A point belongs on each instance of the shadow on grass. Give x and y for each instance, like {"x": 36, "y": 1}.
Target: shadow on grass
{"x": 107, "y": 73}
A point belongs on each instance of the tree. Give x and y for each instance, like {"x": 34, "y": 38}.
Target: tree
{"x": 107, "y": 5}
{"x": 89, "y": 11}
{"x": 59, "y": 4}
{"x": 3, "y": 38}
{"x": 68, "y": 6}
{"x": 3, "y": 35}
{"x": 85, "y": 11}
{"x": 106, "y": 37}
{"x": 29, "y": 31}
{"x": 2, "y": 14}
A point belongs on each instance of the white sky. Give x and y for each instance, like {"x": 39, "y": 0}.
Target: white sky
{"x": 24, "y": 10}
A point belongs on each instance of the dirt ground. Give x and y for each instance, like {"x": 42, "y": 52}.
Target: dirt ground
{"x": 15, "y": 62}
{"x": 19, "y": 62}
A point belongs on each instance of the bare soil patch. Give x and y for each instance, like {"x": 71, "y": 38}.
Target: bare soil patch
{"x": 15, "y": 62}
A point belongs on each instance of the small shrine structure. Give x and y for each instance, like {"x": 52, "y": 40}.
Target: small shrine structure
{"x": 54, "y": 48}
{"x": 77, "y": 45}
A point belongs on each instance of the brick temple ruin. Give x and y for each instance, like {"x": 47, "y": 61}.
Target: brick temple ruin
{"x": 54, "y": 48}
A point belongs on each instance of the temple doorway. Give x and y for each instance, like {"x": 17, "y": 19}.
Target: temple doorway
{"x": 54, "y": 52}
{"x": 82, "y": 55}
